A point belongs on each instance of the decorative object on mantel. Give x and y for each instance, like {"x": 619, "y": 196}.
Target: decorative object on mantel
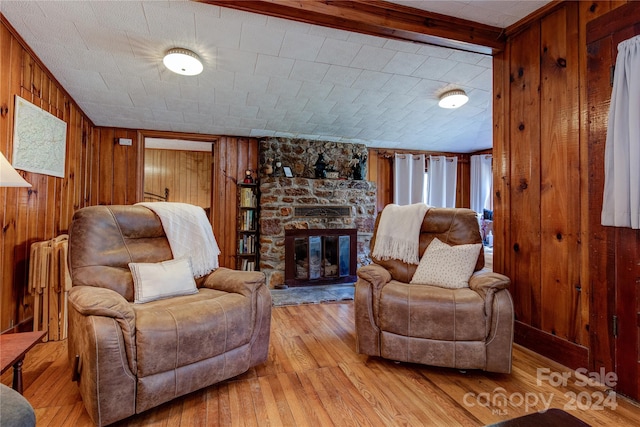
{"x": 358, "y": 166}
{"x": 268, "y": 167}
{"x": 332, "y": 174}
{"x": 320, "y": 166}
{"x": 277, "y": 170}
{"x": 287, "y": 172}
{"x": 248, "y": 178}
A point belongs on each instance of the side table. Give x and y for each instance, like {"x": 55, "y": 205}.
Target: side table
{"x": 550, "y": 418}
{"x": 13, "y": 348}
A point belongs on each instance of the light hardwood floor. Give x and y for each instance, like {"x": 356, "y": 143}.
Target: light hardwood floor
{"x": 314, "y": 377}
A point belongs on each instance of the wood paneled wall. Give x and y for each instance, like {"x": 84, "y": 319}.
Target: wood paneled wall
{"x": 380, "y": 171}
{"x": 43, "y": 211}
{"x": 540, "y": 179}
{"x": 115, "y": 173}
{"x": 232, "y": 156}
{"x": 613, "y": 251}
{"x": 97, "y": 171}
{"x": 185, "y": 174}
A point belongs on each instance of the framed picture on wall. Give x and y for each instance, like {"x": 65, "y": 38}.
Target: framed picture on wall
{"x": 39, "y": 140}
{"x": 287, "y": 172}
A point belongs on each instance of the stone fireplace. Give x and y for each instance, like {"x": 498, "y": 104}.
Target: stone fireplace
{"x": 303, "y": 202}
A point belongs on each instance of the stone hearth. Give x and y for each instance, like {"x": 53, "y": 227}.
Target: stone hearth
{"x": 279, "y": 199}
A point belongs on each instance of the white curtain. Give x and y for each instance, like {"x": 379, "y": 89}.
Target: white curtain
{"x": 621, "y": 203}
{"x": 481, "y": 183}
{"x": 408, "y": 179}
{"x": 443, "y": 175}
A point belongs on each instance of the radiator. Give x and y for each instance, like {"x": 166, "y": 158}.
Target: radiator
{"x": 49, "y": 284}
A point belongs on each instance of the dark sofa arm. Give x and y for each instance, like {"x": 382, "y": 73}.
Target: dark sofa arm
{"x": 241, "y": 282}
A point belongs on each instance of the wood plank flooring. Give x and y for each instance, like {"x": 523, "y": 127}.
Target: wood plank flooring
{"x": 314, "y": 377}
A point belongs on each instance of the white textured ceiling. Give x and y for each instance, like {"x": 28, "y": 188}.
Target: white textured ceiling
{"x": 265, "y": 76}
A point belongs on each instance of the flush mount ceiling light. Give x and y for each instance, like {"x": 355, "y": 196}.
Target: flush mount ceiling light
{"x": 183, "y": 61}
{"x": 453, "y": 99}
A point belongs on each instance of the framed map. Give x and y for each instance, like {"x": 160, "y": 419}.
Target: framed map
{"x": 39, "y": 140}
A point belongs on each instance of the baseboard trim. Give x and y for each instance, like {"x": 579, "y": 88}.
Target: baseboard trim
{"x": 560, "y": 350}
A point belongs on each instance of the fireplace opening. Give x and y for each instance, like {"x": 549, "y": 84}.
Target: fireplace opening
{"x": 320, "y": 256}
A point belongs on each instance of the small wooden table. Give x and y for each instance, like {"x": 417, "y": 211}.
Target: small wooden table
{"x": 13, "y": 348}
{"x": 551, "y": 418}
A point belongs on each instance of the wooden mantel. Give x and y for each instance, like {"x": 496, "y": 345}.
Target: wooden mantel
{"x": 381, "y": 18}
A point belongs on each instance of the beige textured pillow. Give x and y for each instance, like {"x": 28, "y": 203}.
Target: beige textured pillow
{"x": 447, "y": 266}
{"x": 153, "y": 281}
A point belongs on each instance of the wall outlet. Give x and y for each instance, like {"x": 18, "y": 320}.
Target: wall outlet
{"x": 125, "y": 141}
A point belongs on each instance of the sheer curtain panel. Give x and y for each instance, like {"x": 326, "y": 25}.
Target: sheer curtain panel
{"x": 481, "y": 183}
{"x": 443, "y": 175}
{"x": 408, "y": 179}
{"x": 621, "y": 202}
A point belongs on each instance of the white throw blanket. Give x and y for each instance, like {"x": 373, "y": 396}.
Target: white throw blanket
{"x": 398, "y": 234}
{"x": 189, "y": 233}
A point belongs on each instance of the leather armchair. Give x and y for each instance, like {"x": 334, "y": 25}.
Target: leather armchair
{"x": 131, "y": 357}
{"x": 468, "y": 328}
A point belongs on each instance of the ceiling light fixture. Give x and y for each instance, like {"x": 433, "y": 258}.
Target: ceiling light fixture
{"x": 453, "y": 99}
{"x": 183, "y": 61}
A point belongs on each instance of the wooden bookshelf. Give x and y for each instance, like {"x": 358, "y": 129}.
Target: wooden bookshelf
{"x": 248, "y": 236}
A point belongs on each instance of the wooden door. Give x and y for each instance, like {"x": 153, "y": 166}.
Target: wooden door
{"x": 176, "y": 175}
{"x": 614, "y": 252}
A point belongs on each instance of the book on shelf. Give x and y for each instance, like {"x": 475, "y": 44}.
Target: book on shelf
{"x": 248, "y": 221}
{"x": 248, "y": 265}
{"x": 247, "y": 244}
{"x": 247, "y": 198}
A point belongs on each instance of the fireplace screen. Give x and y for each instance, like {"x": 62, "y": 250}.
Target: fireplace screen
{"x": 320, "y": 256}
{"x": 344, "y": 251}
{"x": 315, "y": 257}
{"x": 301, "y": 258}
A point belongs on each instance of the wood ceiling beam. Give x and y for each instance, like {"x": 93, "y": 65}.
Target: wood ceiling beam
{"x": 381, "y": 18}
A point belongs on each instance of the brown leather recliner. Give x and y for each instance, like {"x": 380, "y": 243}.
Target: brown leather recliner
{"x": 131, "y": 357}
{"x": 468, "y": 328}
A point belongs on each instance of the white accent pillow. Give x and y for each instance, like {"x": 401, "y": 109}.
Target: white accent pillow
{"x": 153, "y": 281}
{"x": 447, "y": 266}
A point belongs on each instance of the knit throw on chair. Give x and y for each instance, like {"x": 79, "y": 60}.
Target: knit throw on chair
{"x": 398, "y": 234}
{"x": 189, "y": 234}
